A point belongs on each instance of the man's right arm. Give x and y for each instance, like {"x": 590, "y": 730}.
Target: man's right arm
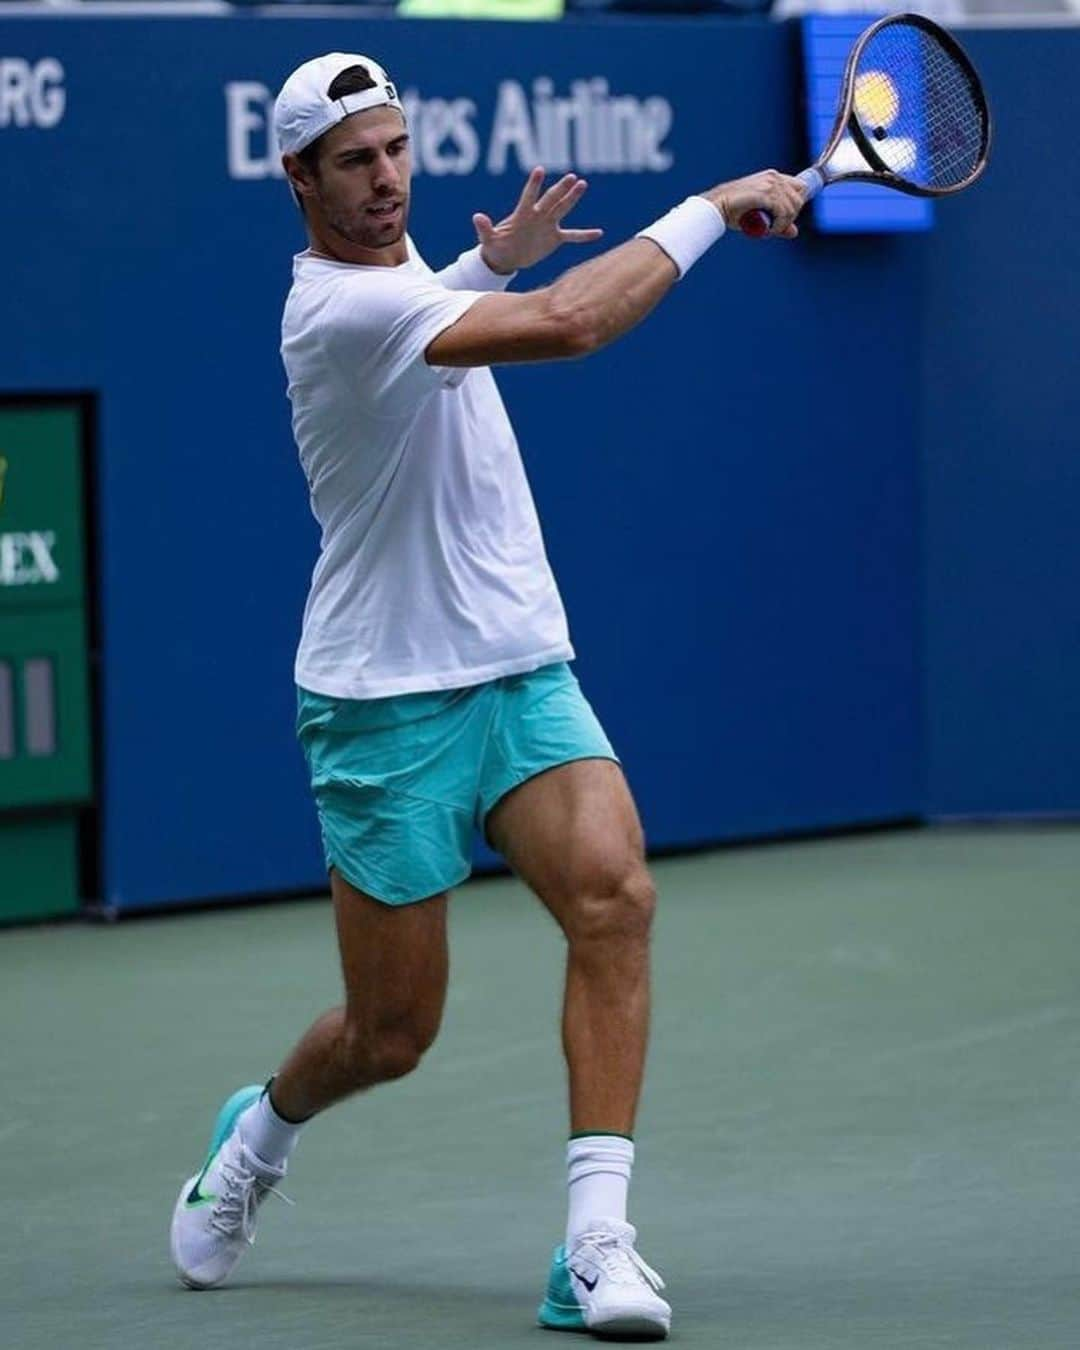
{"x": 595, "y": 303}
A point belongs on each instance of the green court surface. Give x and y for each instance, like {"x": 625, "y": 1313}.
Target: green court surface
{"x": 860, "y": 1128}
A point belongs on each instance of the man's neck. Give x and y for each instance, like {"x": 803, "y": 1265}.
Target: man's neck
{"x": 342, "y": 250}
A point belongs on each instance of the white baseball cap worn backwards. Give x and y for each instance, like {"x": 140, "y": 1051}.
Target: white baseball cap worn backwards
{"x": 304, "y": 109}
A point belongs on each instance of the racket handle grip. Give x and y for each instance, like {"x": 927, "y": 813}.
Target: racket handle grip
{"x": 758, "y": 223}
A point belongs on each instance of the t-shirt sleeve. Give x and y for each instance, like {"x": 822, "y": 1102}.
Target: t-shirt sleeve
{"x": 377, "y": 330}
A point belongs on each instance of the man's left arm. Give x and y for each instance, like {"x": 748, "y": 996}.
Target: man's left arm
{"x": 531, "y": 232}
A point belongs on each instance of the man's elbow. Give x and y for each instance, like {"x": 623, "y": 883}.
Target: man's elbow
{"x": 576, "y": 329}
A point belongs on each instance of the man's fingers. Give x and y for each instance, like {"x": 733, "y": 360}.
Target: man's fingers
{"x": 531, "y": 190}
{"x": 569, "y": 199}
{"x": 561, "y": 196}
{"x": 483, "y": 226}
{"x": 784, "y": 217}
{"x": 785, "y": 202}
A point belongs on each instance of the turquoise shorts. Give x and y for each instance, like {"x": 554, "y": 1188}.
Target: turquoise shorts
{"x": 401, "y": 783}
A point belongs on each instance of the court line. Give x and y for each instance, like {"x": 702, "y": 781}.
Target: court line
{"x": 995, "y": 1031}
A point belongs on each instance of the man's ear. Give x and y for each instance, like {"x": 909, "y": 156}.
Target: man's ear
{"x": 297, "y": 174}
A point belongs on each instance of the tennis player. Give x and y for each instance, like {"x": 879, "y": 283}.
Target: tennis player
{"x": 433, "y": 686}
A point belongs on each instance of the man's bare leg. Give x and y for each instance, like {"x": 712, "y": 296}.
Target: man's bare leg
{"x": 394, "y": 962}
{"x": 573, "y": 835}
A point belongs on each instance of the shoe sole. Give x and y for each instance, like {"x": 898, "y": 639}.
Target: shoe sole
{"x": 617, "y": 1329}
{"x": 627, "y": 1326}
{"x": 224, "y": 1124}
{"x": 631, "y": 1327}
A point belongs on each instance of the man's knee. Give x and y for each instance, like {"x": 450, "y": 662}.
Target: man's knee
{"x": 384, "y": 1052}
{"x": 612, "y": 904}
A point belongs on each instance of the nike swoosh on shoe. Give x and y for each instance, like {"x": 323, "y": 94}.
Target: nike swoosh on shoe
{"x": 195, "y": 1195}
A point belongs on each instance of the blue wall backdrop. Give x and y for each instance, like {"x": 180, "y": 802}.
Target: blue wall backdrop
{"x": 1001, "y": 439}
{"x": 732, "y": 496}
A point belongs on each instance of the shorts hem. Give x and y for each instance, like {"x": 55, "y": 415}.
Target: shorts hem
{"x": 392, "y": 902}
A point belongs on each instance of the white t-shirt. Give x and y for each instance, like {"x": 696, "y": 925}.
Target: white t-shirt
{"x": 432, "y": 572}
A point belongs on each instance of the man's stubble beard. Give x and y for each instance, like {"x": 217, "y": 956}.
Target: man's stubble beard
{"x": 365, "y": 235}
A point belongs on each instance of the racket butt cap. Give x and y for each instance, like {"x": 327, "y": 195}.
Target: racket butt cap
{"x": 756, "y": 224}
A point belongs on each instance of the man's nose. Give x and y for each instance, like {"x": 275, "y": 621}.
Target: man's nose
{"x": 385, "y": 176}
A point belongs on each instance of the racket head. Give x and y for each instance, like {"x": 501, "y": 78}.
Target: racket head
{"x": 913, "y": 113}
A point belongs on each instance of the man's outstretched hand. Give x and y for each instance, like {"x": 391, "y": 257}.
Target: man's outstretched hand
{"x": 534, "y": 227}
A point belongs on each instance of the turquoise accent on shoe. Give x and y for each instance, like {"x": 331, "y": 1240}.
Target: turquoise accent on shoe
{"x": 560, "y": 1310}
{"x": 227, "y": 1118}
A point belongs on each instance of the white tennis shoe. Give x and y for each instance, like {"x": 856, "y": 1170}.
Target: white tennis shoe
{"x": 214, "y": 1219}
{"x": 602, "y": 1285}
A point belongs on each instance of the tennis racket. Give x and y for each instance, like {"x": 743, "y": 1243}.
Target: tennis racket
{"x": 912, "y": 116}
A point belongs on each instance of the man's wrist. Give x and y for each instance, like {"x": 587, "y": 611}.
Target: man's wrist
{"x": 498, "y": 271}
{"x": 715, "y": 199}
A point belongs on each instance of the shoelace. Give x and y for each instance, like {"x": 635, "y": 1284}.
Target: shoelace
{"x": 242, "y": 1193}
{"x": 620, "y": 1261}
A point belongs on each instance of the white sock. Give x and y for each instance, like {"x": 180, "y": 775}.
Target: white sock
{"x": 267, "y": 1135}
{"x": 598, "y": 1177}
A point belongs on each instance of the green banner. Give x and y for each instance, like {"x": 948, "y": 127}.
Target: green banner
{"x": 41, "y": 511}
{"x": 45, "y": 733}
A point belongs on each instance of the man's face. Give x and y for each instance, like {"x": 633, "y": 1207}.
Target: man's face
{"x": 362, "y": 187}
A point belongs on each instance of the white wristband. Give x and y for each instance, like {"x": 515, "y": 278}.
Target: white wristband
{"x": 686, "y": 231}
{"x": 478, "y": 276}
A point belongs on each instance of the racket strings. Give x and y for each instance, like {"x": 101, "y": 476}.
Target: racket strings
{"x": 918, "y": 109}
